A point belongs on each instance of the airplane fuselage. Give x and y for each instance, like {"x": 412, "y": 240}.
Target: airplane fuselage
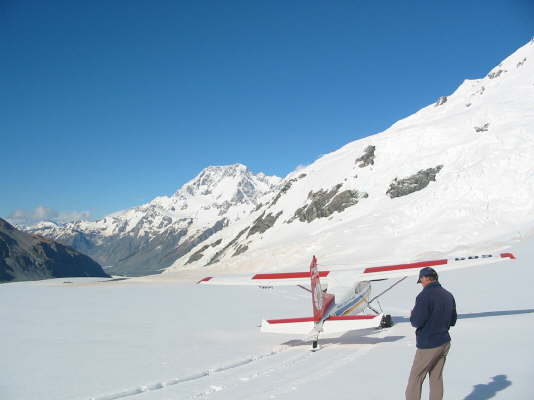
{"x": 354, "y": 302}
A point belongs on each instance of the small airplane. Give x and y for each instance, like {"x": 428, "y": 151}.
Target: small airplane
{"x": 341, "y": 296}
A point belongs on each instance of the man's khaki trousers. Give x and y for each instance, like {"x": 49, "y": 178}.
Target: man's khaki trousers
{"x": 427, "y": 361}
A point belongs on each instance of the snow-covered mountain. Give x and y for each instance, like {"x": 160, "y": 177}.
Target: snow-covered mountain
{"x": 152, "y": 236}
{"x": 28, "y": 257}
{"x": 457, "y": 173}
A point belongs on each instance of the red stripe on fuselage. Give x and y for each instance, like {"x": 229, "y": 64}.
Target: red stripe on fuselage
{"x": 207, "y": 278}
{"x": 405, "y": 266}
{"x": 289, "y": 275}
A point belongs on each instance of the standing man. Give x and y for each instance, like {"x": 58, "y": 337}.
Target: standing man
{"x": 434, "y": 313}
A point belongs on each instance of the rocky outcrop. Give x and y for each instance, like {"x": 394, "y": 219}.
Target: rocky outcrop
{"x": 521, "y": 63}
{"x": 480, "y": 91}
{"x": 414, "y": 183}
{"x": 260, "y": 225}
{"x": 285, "y": 188}
{"x": 286, "y": 185}
{"x": 324, "y": 203}
{"x": 240, "y": 250}
{"x": 368, "y": 157}
{"x": 441, "y": 100}
{"x": 30, "y": 257}
{"x": 263, "y": 222}
{"x": 483, "y": 128}
{"x": 197, "y": 255}
{"x": 496, "y": 74}
{"x": 220, "y": 253}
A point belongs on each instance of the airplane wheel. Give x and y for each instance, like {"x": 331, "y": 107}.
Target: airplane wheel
{"x": 315, "y": 346}
{"x": 387, "y": 321}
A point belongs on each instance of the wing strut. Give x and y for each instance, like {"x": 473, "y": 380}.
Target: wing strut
{"x": 385, "y": 291}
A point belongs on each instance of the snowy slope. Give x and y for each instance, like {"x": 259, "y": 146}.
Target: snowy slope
{"x": 457, "y": 173}
{"x": 178, "y": 340}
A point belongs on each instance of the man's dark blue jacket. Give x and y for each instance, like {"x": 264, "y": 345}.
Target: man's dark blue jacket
{"x": 434, "y": 313}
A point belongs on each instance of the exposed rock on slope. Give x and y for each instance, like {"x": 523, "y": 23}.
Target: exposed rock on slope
{"x": 441, "y": 100}
{"x": 29, "y": 257}
{"x": 199, "y": 253}
{"x": 222, "y": 252}
{"x": 368, "y": 157}
{"x": 414, "y": 183}
{"x": 324, "y": 203}
{"x": 263, "y": 222}
{"x": 483, "y": 128}
{"x": 285, "y": 188}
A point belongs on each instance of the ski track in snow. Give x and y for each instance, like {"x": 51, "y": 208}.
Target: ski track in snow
{"x": 290, "y": 375}
{"x": 193, "y": 377}
{"x": 249, "y": 377}
{"x": 230, "y": 377}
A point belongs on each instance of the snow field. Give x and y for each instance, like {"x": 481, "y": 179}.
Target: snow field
{"x": 153, "y": 339}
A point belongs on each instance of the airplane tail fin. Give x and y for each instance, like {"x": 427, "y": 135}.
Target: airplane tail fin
{"x": 320, "y": 322}
{"x": 320, "y": 301}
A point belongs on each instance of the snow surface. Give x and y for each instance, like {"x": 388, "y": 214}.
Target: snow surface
{"x": 158, "y": 338}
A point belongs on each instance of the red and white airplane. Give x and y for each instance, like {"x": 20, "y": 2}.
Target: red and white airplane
{"x": 341, "y": 296}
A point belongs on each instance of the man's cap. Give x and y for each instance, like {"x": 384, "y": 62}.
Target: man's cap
{"x": 429, "y": 272}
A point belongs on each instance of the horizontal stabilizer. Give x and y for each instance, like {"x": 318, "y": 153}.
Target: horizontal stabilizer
{"x": 334, "y": 324}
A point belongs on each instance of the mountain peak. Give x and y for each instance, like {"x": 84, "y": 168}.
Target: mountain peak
{"x": 225, "y": 182}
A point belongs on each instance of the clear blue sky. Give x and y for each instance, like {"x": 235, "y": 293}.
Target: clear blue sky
{"x": 107, "y": 104}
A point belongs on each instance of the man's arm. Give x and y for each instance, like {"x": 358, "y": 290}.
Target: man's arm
{"x": 420, "y": 312}
{"x": 454, "y": 316}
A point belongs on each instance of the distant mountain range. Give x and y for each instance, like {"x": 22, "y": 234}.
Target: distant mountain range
{"x": 148, "y": 238}
{"x": 458, "y": 172}
{"x": 29, "y": 257}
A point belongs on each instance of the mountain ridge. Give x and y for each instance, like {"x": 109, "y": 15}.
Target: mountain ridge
{"x": 147, "y": 238}
{"x": 463, "y": 161}
{"x": 31, "y": 257}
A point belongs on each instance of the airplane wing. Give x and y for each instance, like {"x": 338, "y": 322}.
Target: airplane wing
{"x": 445, "y": 264}
{"x": 356, "y": 273}
{"x": 274, "y": 279}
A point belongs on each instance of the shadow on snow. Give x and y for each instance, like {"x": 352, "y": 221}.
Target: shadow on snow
{"x": 488, "y": 390}
{"x": 361, "y": 337}
{"x": 351, "y": 337}
{"x": 477, "y": 315}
